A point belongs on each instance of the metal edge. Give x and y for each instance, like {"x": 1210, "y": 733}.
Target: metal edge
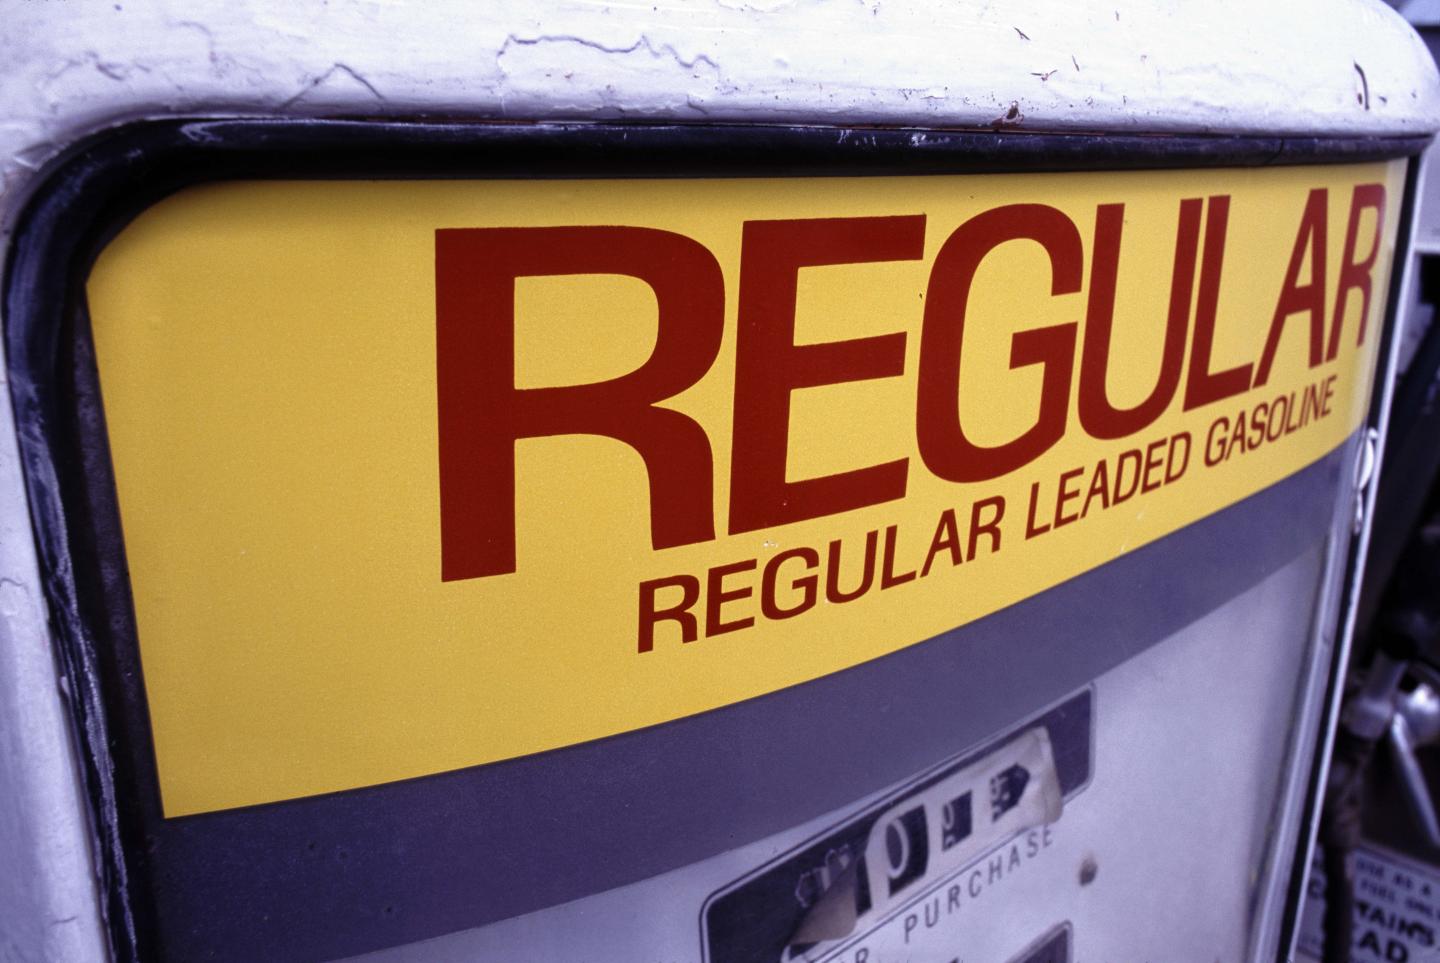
{"x": 1379, "y": 420}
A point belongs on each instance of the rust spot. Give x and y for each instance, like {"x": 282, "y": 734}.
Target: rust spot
{"x": 1011, "y": 118}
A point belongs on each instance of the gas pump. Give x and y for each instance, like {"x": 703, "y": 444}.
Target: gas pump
{"x": 590, "y": 483}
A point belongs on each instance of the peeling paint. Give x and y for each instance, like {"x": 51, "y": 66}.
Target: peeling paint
{"x": 338, "y": 72}
{"x": 644, "y": 43}
{"x": 76, "y": 67}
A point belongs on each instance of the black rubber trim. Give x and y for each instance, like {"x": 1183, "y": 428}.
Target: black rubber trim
{"x": 98, "y": 186}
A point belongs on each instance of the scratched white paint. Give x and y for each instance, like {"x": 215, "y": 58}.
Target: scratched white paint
{"x": 48, "y": 896}
{"x": 1315, "y": 66}
{"x": 71, "y": 67}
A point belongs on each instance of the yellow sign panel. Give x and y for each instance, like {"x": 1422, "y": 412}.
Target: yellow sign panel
{"x": 423, "y": 475}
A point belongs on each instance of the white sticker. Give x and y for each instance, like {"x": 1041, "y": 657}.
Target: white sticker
{"x": 1397, "y": 911}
